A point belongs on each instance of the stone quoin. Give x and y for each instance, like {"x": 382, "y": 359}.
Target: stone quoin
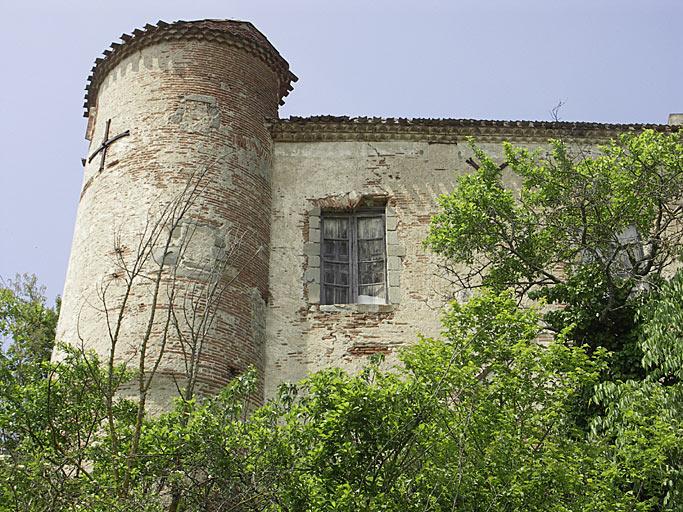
{"x": 318, "y": 220}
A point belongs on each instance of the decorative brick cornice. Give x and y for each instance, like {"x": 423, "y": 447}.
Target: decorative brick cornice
{"x": 374, "y": 129}
{"x": 240, "y": 34}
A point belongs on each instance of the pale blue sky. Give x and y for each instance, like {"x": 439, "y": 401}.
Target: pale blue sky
{"x": 609, "y": 60}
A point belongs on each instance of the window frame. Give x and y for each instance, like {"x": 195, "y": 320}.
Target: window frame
{"x": 353, "y": 257}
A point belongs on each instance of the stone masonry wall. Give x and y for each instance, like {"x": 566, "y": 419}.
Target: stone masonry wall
{"x": 304, "y": 336}
{"x": 328, "y": 162}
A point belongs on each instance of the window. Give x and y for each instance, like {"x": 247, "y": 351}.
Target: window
{"x": 353, "y": 262}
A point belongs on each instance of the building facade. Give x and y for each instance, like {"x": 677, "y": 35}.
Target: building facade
{"x": 294, "y": 244}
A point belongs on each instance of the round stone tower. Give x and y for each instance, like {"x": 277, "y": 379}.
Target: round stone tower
{"x": 171, "y": 244}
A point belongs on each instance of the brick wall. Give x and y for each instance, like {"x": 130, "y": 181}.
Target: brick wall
{"x": 189, "y": 105}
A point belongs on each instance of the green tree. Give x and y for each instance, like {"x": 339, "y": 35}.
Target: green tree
{"x": 590, "y": 233}
{"x": 52, "y": 443}
{"x": 479, "y": 419}
{"x": 27, "y": 324}
{"x": 643, "y": 419}
{"x": 596, "y": 237}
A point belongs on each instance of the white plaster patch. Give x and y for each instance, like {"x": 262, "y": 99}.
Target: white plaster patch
{"x": 197, "y": 113}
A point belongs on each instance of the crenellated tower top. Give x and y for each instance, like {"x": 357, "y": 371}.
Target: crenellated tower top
{"x": 240, "y": 34}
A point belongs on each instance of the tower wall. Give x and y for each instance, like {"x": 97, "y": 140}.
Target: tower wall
{"x": 194, "y": 97}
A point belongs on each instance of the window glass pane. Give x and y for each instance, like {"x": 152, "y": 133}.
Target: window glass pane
{"x": 336, "y": 250}
{"x": 341, "y": 296}
{"x": 328, "y": 249}
{"x": 370, "y": 250}
{"x": 370, "y": 227}
{"x": 373, "y": 294}
{"x": 334, "y": 295}
{"x": 335, "y": 273}
{"x": 371, "y": 272}
{"x": 336, "y": 228}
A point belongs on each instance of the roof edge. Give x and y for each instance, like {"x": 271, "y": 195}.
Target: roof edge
{"x": 344, "y": 128}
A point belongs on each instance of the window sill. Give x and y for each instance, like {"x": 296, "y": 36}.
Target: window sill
{"x": 355, "y": 308}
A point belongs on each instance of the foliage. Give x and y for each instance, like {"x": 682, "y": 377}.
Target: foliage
{"x": 593, "y": 237}
{"x": 589, "y": 232}
{"x": 644, "y": 418}
{"x": 478, "y": 420}
{"x": 51, "y": 435}
{"x": 662, "y": 334}
{"x": 27, "y": 324}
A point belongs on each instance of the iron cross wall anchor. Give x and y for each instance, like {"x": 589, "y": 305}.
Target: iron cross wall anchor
{"x": 106, "y": 143}
{"x": 471, "y": 162}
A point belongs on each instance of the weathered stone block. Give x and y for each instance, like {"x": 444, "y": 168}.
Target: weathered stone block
{"x": 394, "y": 295}
{"x": 312, "y": 275}
{"x": 396, "y": 250}
{"x": 314, "y": 293}
{"x": 312, "y": 249}
{"x": 393, "y": 263}
{"x": 314, "y": 262}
